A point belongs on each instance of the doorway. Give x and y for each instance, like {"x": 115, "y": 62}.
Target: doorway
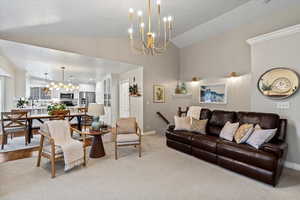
{"x": 124, "y": 106}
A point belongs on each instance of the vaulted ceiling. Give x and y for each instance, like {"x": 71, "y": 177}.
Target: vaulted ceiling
{"x": 100, "y": 18}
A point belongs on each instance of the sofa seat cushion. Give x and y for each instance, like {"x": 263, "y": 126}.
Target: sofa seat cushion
{"x": 205, "y": 142}
{"x": 180, "y": 136}
{"x": 247, "y": 154}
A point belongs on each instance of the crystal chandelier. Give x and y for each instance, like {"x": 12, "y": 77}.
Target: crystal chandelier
{"x": 62, "y": 85}
{"x": 143, "y": 37}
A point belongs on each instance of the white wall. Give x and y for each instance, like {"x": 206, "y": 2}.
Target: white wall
{"x": 9, "y": 82}
{"x": 217, "y": 56}
{"x": 280, "y": 52}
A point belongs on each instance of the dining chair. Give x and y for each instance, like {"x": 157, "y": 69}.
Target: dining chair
{"x": 13, "y": 122}
{"x": 128, "y": 133}
{"x": 86, "y": 120}
{"x": 61, "y": 115}
{"x": 54, "y": 152}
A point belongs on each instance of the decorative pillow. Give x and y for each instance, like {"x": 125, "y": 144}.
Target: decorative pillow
{"x": 260, "y": 136}
{"x": 229, "y": 130}
{"x": 243, "y": 133}
{"x": 194, "y": 112}
{"x": 257, "y": 127}
{"x": 182, "y": 123}
{"x": 198, "y": 126}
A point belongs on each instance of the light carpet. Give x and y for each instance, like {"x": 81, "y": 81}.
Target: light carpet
{"x": 161, "y": 174}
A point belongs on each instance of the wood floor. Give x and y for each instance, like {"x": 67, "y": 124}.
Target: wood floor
{"x": 26, "y": 153}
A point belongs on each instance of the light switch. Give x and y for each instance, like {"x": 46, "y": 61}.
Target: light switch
{"x": 283, "y": 105}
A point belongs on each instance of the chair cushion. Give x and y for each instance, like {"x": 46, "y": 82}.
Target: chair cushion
{"x": 47, "y": 149}
{"x": 247, "y": 154}
{"x": 205, "y": 142}
{"x": 126, "y": 125}
{"x": 180, "y": 136}
{"x": 127, "y": 138}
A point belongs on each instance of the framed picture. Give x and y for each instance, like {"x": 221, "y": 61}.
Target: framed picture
{"x": 159, "y": 94}
{"x": 213, "y": 93}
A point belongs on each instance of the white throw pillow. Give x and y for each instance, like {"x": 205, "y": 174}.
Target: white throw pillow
{"x": 182, "y": 123}
{"x": 229, "y": 130}
{"x": 198, "y": 126}
{"x": 194, "y": 112}
{"x": 260, "y": 136}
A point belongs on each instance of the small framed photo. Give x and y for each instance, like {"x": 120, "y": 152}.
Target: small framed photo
{"x": 213, "y": 93}
{"x": 159, "y": 95}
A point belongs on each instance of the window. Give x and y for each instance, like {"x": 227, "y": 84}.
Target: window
{"x": 37, "y": 93}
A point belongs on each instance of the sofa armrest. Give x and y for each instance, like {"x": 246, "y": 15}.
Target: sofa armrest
{"x": 278, "y": 148}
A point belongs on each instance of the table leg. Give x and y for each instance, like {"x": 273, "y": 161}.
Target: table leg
{"x": 79, "y": 126}
{"x": 97, "y": 150}
{"x": 29, "y": 130}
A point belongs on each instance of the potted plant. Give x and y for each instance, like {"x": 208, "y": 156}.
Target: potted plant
{"x": 22, "y": 102}
{"x": 56, "y": 107}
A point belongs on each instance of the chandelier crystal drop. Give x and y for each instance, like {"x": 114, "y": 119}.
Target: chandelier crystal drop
{"x": 62, "y": 85}
{"x": 146, "y": 39}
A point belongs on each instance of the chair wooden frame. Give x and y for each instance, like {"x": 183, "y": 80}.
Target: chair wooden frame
{"x": 85, "y": 120}
{"x": 52, "y": 156}
{"x": 139, "y": 144}
{"x": 15, "y": 119}
{"x": 60, "y": 114}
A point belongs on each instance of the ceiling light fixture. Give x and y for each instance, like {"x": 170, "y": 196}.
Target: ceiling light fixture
{"x": 62, "y": 85}
{"x": 152, "y": 41}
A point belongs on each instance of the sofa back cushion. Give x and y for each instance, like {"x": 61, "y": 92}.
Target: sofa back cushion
{"x": 205, "y": 114}
{"x": 218, "y": 120}
{"x": 265, "y": 120}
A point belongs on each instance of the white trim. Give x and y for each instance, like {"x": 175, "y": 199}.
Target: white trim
{"x": 276, "y": 34}
{"x": 292, "y": 165}
{"x": 149, "y": 133}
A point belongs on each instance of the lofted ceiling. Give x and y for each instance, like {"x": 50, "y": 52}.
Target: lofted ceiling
{"x": 100, "y": 18}
{"x": 37, "y": 60}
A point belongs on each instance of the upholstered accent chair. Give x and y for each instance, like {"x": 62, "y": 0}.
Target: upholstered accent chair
{"x": 128, "y": 133}
{"x": 48, "y": 148}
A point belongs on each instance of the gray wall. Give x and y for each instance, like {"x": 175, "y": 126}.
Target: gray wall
{"x": 281, "y": 52}
{"x": 216, "y": 57}
{"x": 158, "y": 69}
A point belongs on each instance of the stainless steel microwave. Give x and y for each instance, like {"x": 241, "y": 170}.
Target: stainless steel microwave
{"x": 66, "y": 95}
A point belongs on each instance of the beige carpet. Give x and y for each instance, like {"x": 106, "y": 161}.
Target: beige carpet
{"x": 161, "y": 174}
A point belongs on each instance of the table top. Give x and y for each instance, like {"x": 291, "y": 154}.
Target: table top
{"x": 91, "y": 132}
{"x": 44, "y": 116}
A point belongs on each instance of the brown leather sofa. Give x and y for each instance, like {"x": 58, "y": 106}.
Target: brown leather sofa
{"x": 265, "y": 164}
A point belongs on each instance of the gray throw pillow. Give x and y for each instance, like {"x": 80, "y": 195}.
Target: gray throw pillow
{"x": 229, "y": 130}
{"x": 261, "y": 136}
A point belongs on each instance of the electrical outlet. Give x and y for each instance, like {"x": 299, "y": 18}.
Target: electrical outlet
{"x": 283, "y": 105}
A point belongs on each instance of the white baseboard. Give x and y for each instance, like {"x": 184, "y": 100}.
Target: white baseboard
{"x": 149, "y": 133}
{"x": 292, "y": 165}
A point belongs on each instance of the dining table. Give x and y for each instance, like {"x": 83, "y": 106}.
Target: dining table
{"x": 44, "y": 117}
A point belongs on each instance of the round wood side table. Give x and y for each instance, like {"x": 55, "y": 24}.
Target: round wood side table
{"x": 97, "y": 150}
